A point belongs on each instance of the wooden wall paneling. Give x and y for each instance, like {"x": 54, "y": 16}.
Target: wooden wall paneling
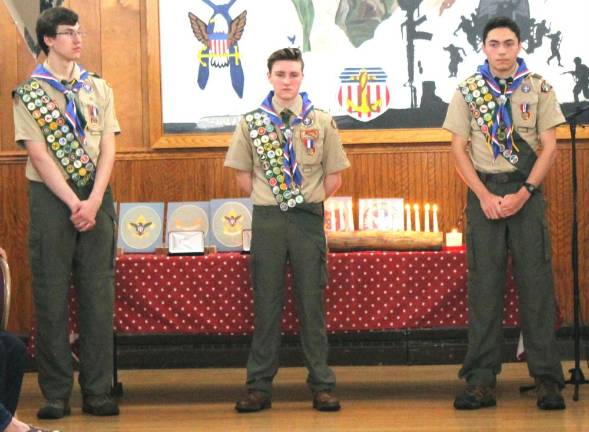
{"x": 122, "y": 66}
{"x": 90, "y": 21}
{"x": 14, "y": 217}
{"x": 8, "y": 69}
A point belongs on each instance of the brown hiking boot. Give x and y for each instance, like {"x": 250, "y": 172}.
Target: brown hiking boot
{"x": 325, "y": 400}
{"x": 253, "y": 401}
{"x": 548, "y": 395}
{"x": 475, "y": 397}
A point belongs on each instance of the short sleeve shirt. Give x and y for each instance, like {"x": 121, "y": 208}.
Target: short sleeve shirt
{"x": 539, "y": 99}
{"x": 97, "y": 104}
{"x": 327, "y": 156}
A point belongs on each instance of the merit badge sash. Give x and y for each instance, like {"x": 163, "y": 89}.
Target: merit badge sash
{"x": 265, "y": 140}
{"x": 502, "y": 139}
{"x": 60, "y": 136}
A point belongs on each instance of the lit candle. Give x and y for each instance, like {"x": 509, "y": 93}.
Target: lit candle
{"x": 407, "y": 217}
{"x": 332, "y": 216}
{"x": 340, "y": 210}
{"x": 417, "y": 222}
{"x": 350, "y": 216}
{"x": 454, "y": 238}
{"x": 435, "y": 227}
{"x": 426, "y": 218}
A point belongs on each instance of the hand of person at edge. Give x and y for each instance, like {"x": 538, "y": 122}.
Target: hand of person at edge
{"x": 491, "y": 206}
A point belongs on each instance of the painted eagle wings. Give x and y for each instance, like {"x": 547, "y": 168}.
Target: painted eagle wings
{"x": 236, "y": 28}
{"x": 199, "y": 28}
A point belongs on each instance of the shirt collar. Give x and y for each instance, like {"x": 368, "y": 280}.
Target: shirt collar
{"x": 296, "y": 107}
{"x": 74, "y": 75}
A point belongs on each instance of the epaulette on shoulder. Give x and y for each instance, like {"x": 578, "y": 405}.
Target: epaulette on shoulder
{"x": 537, "y": 76}
{"x": 322, "y": 110}
{"x": 94, "y": 74}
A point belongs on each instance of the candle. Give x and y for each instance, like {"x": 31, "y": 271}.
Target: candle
{"x": 332, "y": 216}
{"x": 454, "y": 238}
{"x": 435, "y": 227}
{"x": 350, "y": 216}
{"x": 426, "y": 218}
{"x": 407, "y": 217}
{"x": 417, "y": 221}
{"x": 340, "y": 210}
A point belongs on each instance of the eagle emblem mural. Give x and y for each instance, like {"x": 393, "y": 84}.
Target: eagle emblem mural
{"x": 219, "y": 37}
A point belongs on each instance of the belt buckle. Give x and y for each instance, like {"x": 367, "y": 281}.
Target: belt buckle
{"x": 502, "y": 178}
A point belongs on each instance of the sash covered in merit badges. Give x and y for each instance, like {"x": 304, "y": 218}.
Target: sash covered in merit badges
{"x": 489, "y": 103}
{"x": 64, "y": 134}
{"x": 278, "y": 159}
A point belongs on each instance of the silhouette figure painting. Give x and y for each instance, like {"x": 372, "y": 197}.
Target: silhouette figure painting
{"x": 471, "y": 32}
{"x": 219, "y": 37}
{"x": 555, "y": 39}
{"x": 455, "y": 58}
{"x": 581, "y": 76}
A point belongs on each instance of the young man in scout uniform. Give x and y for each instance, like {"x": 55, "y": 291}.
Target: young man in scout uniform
{"x": 288, "y": 157}
{"x": 64, "y": 117}
{"x": 503, "y": 121}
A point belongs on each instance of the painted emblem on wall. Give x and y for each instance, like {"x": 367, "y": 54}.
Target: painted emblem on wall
{"x": 220, "y": 37}
{"x": 140, "y": 226}
{"x": 363, "y": 92}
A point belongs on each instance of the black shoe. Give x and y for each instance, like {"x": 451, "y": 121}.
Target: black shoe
{"x": 54, "y": 409}
{"x": 253, "y": 401}
{"x": 548, "y": 395}
{"x": 475, "y": 397}
{"x": 325, "y": 400}
{"x": 103, "y": 405}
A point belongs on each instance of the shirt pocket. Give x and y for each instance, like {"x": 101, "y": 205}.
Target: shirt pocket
{"x": 311, "y": 147}
{"x": 93, "y": 113}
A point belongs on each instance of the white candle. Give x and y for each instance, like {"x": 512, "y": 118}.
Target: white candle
{"x": 340, "y": 210}
{"x": 435, "y": 227}
{"x": 454, "y": 238}
{"x": 426, "y": 218}
{"x": 350, "y": 216}
{"x": 332, "y": 216}
{"x": 407, "y": 217}
{"x": 417, "y": 221}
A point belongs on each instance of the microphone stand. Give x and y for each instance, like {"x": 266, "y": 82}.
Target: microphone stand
{"x": 577, "y": 377}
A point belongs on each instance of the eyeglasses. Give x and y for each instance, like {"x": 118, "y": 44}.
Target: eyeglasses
{"x": 72, "y": 33}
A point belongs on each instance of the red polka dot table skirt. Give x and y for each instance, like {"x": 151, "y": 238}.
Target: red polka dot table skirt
{"x": 366, "y": 291}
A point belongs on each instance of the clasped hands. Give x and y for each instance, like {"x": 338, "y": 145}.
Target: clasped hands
{"x": 84, "y": 214}
{"x": 498, "y": 207}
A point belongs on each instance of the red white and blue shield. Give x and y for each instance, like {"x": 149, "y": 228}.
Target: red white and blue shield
{"x": 363, "y": 92}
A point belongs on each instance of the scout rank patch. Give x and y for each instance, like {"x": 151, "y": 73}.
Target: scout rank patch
{"x": 264, "y": 137}
{"x": 59, "y": 136}
{"x": 478, "y": 96}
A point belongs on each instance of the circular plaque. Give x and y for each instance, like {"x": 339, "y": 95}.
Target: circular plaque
{"x": 189, "y": 217}
{"x": 228, "y": 222}
{"x": 141, "y": 227}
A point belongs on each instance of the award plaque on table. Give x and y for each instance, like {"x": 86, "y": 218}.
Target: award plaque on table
{"x": 246, "y": 241}
{"x": 339, "y": 214}
{"x": 229, "y": 217}
{"x": 382, "y": 214}
{"x": 186, "y": 243}
{"x": 189, "y": 216}
{"x": 140, "y": 227}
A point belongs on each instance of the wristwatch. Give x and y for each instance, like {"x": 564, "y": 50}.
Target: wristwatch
{"x": 530, "y": 188}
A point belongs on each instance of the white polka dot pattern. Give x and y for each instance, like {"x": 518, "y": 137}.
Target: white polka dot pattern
{"x": 366, "y": 291}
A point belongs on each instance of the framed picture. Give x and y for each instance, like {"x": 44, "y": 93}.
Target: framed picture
{"x": 189, "y": 216}
{"x": 141, "y": 226}
{"x": 383, "y": 214}
{"x": 229, "y": 217}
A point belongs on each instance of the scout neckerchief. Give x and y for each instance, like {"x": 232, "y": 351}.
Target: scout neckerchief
{"x": 62, "y": 139}
{"x": 272, "y": 153}
{"x": 502, "y": 94}
{"x": 71, "y": 110}
{"x": 484, "y": 101}
{"x": 291, "y": 168}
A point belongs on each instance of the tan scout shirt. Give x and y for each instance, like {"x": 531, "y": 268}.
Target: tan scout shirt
{"x": 544, "y": 111}
{"x": 329, "y": 156}
{"x": 97, "y": 106}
